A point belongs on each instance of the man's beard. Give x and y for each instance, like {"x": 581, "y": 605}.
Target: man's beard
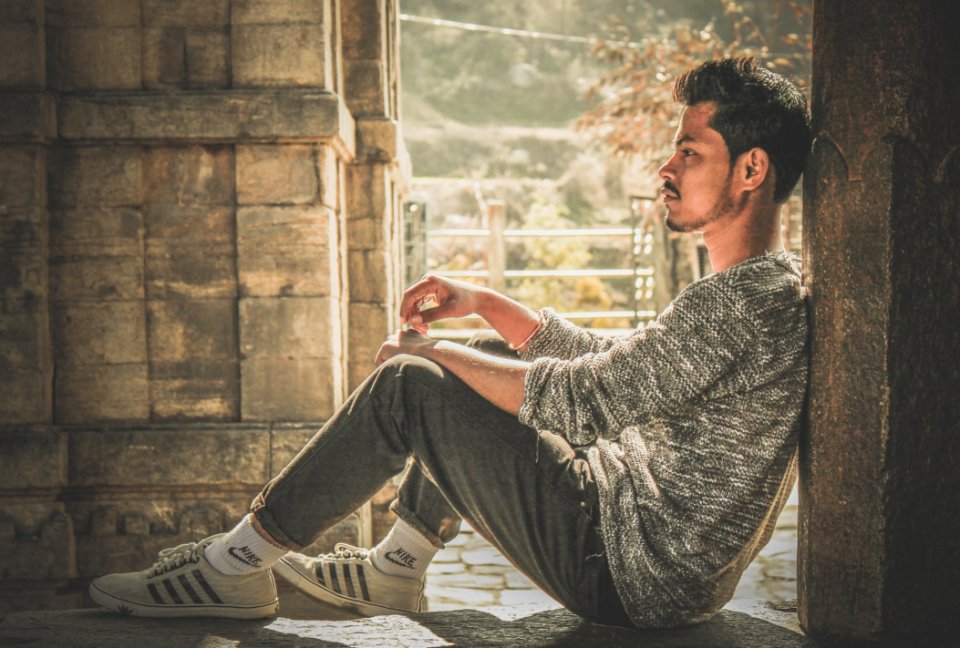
{"x": 722, "y": 207}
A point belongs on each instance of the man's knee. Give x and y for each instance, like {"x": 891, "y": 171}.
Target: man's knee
{"x": 411, "y": 366}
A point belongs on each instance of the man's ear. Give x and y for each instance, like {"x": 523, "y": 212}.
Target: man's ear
{"x": 752, "y": 169}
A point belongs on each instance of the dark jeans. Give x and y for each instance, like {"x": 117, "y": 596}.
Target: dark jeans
{"x": 528, "y": 493}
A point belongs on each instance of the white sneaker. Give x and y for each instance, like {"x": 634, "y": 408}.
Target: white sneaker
{"x": 183, "y": 584}
{"x": 348, "y": 579}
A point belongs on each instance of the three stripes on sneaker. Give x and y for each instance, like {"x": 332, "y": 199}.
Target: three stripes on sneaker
{"x": 348, "y": 579}
{"x": 190, "y": 591}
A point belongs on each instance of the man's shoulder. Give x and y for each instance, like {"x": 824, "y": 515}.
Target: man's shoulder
{"x": 756, "y": 290}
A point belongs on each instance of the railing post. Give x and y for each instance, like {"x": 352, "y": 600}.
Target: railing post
{"x": 496, "y": 245}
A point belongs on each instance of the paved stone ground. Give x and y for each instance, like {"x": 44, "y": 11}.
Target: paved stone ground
{"x": 470, "y": 573}
{"x": 746, "y": 625}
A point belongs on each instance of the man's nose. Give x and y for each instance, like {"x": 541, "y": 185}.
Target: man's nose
{"x": 667, "y": 171}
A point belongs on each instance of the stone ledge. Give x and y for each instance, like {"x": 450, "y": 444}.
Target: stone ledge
{"x": 27, "y": 116}
{"x": 748, "y": 625}
{"x": 288, "y": 115}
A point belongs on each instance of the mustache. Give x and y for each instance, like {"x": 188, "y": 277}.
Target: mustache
{"x": 669, "y": 186}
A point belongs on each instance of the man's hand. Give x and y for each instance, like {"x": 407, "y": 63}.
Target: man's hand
{"x": 434, "y": 298}
{"x": 409, "y": 342}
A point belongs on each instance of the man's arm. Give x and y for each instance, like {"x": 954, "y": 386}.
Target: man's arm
{"x": 499, "y": 380}
{"x": 434, "y": 298}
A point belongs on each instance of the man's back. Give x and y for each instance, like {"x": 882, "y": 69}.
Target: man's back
{"x": 695, "y": 457}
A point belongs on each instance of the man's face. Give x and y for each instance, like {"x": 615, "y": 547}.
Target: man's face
{"x": 697, "y": 178}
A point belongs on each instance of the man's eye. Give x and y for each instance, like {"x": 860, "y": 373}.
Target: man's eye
{"x": 687, "y": 152}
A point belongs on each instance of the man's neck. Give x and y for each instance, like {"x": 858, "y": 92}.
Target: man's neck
{"x": 746, "y": 237}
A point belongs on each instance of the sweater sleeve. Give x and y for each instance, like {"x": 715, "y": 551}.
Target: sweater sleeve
{"x": 558, "y": 338}
{"x": 659, "y": 370}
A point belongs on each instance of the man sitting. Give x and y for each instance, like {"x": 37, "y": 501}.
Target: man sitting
{"x": 633, "y": 478}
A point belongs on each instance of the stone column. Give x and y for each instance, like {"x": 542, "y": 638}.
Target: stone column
{"x": 376, "y": 179}
{"x": 36, "y": 534}
{"x": 880, "y": 472}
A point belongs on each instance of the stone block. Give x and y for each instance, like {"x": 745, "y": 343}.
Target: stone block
{"x": 379, "y": 139}
{"x": 34, "y": 457}
{"x": 101, "y": 393}
{"x": 23, "y": 277}
{"x": 207, "y": 64}
{"x": 24, "y": 340}
{"x": 278, "y": 55}
{"x": 329, "y": 170}
{"x": 188, "y": 175}
{"x": 288, "y": 389}
{"x": 175, "y": 225}
{"x": 23, "y": 230}
{"x": 368, "y": 192}
{"x": 289, "y": 327}
{"x": 96, "y": 233}
{"x": 368, "y": 234}
{"x": 101, "y": 176}
{"x": 164, "y": 57}
{"x": 357, "y": 371}
{"x": 255, "y": 12}
{"x": 41, "y": 552}
{"x": 195, "y": 390}
{"x": 104, "y": 333}
{"x": 93, "y": 13}
{"x": 276, "y": 175}
{"x": 21, "y": 50}
{"x": 184, "y": 330}
{"x": 186, "y": 13}
{"x": 286, "y": 251}
{"x": 175, "y": 271}
{"x": 167, "y": 457}
{"x": 27, "y": 115}
{"x": 21, "y": 11}
{"x": 370, "y": 324}
{"x": 286, "y": 442}
{"x": 24, "y": 173}
{"x": 368, "y": 83}
{"x": 26, "y": 393}
{"x": 94, "y": 58}
{"x": 228, "y": 116}
{"x": 370, "y": 276}
{"x": 96, "y": 277}
{"x": 360, "y": 41}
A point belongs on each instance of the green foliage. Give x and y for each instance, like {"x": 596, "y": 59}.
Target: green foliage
{"x": 633, "y": 108}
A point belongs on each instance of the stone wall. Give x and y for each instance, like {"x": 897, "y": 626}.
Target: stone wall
{"x": 199, "y": 251}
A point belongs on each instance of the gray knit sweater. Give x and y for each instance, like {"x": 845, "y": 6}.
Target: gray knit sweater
{"x": 691, "y": 426}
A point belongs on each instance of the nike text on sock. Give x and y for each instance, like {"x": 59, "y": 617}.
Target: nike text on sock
{"x": 401, "y": 557}
{"x": 403, "y": 552}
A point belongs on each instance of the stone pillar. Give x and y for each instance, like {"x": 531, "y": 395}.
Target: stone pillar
{"x": 196, "y": 238}
{"x": 375, "y": 180}
{"x": 880, "y": 472}
{"x": 36, "y": 534}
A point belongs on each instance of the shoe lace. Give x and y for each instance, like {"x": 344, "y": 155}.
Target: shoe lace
{"x": 180, "y": 555}
{"x": 344, "y": 551}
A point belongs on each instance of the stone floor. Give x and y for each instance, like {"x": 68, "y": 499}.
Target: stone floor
{"x": 741, "y": 625}
{"x": 470, "y": 573}
{"x": 476, "y": 598}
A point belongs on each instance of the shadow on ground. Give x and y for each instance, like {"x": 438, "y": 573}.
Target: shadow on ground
{"x": 751, "y": 624}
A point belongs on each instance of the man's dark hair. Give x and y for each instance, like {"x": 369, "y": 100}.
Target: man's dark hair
{"x": 755, "y": 108}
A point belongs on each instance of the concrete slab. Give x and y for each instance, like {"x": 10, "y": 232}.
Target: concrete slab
{"x": 744, "y": 624}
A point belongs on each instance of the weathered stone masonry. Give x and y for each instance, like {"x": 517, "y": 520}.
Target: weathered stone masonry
{"x": 199, "y": 245}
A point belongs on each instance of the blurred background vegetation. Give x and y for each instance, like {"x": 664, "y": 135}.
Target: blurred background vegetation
{"x": 568, "y": 128}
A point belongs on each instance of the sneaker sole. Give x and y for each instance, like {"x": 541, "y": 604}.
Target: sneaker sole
{"x": 321, "y": 594}
{"x": 130, "y": 608}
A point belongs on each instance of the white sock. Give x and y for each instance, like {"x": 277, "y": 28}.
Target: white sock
{"x": 404, "y": 552}
{"x": 243, "y": 551}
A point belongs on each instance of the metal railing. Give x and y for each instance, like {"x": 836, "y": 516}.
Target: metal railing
{"x": 496, "y": 275}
